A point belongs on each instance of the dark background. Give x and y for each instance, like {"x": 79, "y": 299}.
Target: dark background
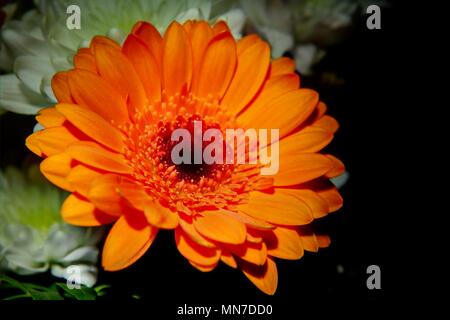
{"x": 363, "y": 100}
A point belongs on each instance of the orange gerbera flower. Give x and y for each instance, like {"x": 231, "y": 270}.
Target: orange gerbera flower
{"x": 107, "y": 142}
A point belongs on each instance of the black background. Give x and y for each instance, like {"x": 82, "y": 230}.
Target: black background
{"x": 369, "y": 63}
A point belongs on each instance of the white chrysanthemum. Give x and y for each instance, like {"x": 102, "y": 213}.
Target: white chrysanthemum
{"x": 304, "y": 27}
{"x": 40, "y": 44}
{"x": 34, "y": 239}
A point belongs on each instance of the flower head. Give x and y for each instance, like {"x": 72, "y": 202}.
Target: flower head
{"x": 34, "y": 48}
{"x": 33, "y": 238}
{"x": 108, "y": 141}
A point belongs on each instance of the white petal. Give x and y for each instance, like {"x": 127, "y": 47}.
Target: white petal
{"x": 256, "y": 11}
{"x": 79, "y": 273}
{"x": 279, "y": 41}
{"x": 38, "y": 127}
{"x": 21, "y": 43}
{"x": 191, "y": 14}
{"x": 117, "y": 35}
{"x": 16, "y": 97}
{"x": 6, "y": 58}
{"x": 30, "y": 24}
{"x": 24, "y": 264}
{"x": 205, "y": 9}
{"x": 61, "y": 241}
{"x": 341, "y": 180}
{"x": 167, "y": 12}
{"x": 32, "y": 70}
{"x": 46, "y": 89}
{"x": 306, "y": 56}
{"x": 235, "y": 19}
{"x": 84, "y": 254}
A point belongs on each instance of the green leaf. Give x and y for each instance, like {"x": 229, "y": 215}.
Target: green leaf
{"x": 19, "y": 296}
{"x": 49, "y": 294}
{"x": 83, "y": 293}
{"x": 101, "y": 289}
{"x": 30, "y": 290}
{"x": 11, "y": 283}
{"x": 56, "y": 291}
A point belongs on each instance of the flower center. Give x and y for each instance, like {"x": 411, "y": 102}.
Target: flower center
{"x": 192, "y": 186}
{"x": 191, "y": 171}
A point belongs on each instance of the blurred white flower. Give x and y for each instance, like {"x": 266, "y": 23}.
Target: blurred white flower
{"x": 33, "y": 237}
{"x": 33, "y": 49}
{"x": 341, "y": 180}
{"x": 304, "y": 27}
{"x": 273, "y": 20}
{"x": 306, "y": 56}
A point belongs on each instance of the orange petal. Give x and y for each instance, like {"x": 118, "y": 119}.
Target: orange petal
{"x": 50, "y": 117}
{"x": 56, "y": 168}
{"x": 316, "y": 203}
{"x": 227, "y": 258}
{"x": 337, "y": 169}
{"x": 203, "y": 268}
{"x": 282, "y": 66}
{"x": 285, "y": 112}
{"x": 332, "y": 197}
{"x": 254, "y": 236}
{"x": 152, "y": 39}
{"x": 309, "y": 240}
{"x": 103, "y": 40}
{"x": 61, "y": 88}
{"x": 84, "y": 59}
{"x": 160, "y": 216}
{"x": 50, "y": 141}
{"x": 221, "y": 27}
{"x": 246, "y": 42}
{"x": 156, "y": 214}
{"x": 128, "y": 240}
{"x": 217, "y": 67}
{"x": 308, "y": 140}
{"x": 117, "y": 70}
{"x": 272, "y": 89}
{"x": 323, "y": 240}
{"x": 187, "y": 25}
{"x": 219, "y": 226}
{"x": 250, "y": 221}
{"x": 253, "y": 63}
{"x": 284, "y": 243}
{"x": 92, "y": 125}
{"x": 327, "y": 123}
{"x": 194, "y": 252}
{"x": 104, "y": 194}
{"x": 277, "y": 207}
{"x": 145, "y": 65}
{"x": 94, "y": 155}
{"x": 91, "y": 91}
{"x": 255, "y": 253}
{"x": 265, "y": 277}
{"x": 177, "y": 60}
{"x": 32, "y": 143}
{"x": 193, "y": 234}
{"x": 299, "y": 168}
{"x": 321, "y": 109}
{"x": 277, "y": 86}
{"x": 134, "y": 193}
{"x": 200, "y": 33}
{"x": 80, "y": 212}
{"x": 81, "y": 178}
